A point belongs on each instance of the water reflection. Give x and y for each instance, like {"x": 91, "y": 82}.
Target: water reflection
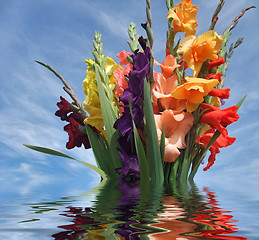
{"x": 130, "y": 211}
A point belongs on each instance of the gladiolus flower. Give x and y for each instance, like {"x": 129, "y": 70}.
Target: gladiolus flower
{"x": 215, "y": 63}
{"x": 165, "y": 83}
{"x": 184, "y": 17}
{"x": 176, "y": 126}
{"x": 141, "y": 67}
{"x": 64, "y": 109}
{"x": 76, "y": 136}
{"x": 214, "y": 76}
{"x": 135, "y": 91}
{"x": 193, "y": 91}
{"x": 165, "y": 86}
{"x": 92, "y": 102}
{"x": 123, "y": 57}
{"x": 221, "y": 141}
{"x": 130, "y": 167}
{"x": 195, "y": 51}
{"x": 220, "y": 92}
{"x": 168, "y": 65}
{"x": 162, "y": 93}
{"x": 219, "y": 118}
{"x": 119, "y": 74}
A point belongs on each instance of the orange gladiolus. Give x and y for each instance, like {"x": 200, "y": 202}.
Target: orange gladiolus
{"x": 195, "y": 51}
{"x": 184, "y": 17}
{"x": 176, "y": 126}
{"x": 193, "y": 91}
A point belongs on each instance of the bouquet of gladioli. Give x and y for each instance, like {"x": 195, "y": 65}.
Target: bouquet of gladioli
{"x": 149, "y": 125}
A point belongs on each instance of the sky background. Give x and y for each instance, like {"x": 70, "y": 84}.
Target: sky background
{"x": 60, "y": 33}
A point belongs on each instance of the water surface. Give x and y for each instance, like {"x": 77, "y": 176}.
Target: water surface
{"x": 128, "y": 211}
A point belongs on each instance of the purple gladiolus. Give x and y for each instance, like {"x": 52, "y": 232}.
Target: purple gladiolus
{"x": 134, "y": 96}
{"x": 130, "y": 169}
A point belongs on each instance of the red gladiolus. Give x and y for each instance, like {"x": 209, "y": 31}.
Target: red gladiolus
{"x": 214, "y": 76}
{"x": 76, "y": 137}
{"x": 221, "y": 141}
{"x": 215, "y": 63}
{"x": 64, "y": 109}
{"x": 219, "y": 92}
{"x": 219, "y": 118}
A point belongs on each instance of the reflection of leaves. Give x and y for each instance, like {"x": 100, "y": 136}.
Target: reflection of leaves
{"x": 124, "y": 210}
{"x": 30, "y": 220}
{"x": 47, "y": 206}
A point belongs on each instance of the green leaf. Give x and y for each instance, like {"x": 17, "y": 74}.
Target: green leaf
{"x": 101, "y": 151}
{"x": 142, "y": 159}
{"x": 48, "y": 151}
{"x": 109, "y": 118}
{"x": 162, "y": 144}
{"x": 156, "y": 167}
{"x": 241, "y": 102}
{"x": 56, "y": 153}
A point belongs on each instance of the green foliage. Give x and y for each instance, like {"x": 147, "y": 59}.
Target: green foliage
{"x": 156, "y": 168}
{"x": 56, "y": 153}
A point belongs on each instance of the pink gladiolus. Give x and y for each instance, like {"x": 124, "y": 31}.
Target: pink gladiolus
{"x": 123, "y": 57}
{"x": 176, "y": 126}
{"x": 119, "y": 75}
{"x": 162, "y": 93}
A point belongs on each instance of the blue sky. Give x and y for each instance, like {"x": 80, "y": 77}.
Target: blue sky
{"x": 60, "y": 34}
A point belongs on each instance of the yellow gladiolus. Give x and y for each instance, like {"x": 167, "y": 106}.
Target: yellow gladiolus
{"x": 195, "y": 51}
{"x": 92, "y": 102}
{"x": 193, "y": 91}
{"x": 184, "y": 17}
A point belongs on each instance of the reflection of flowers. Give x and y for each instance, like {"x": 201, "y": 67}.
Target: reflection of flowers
{"x": 131, "y": 211}
{"x": 126, "y": 211}
{"x": 190, "y": 216}
{"x": 82, "y": 220}
{"x": 216, "y": 220}
{"x": 172, "y": 222}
